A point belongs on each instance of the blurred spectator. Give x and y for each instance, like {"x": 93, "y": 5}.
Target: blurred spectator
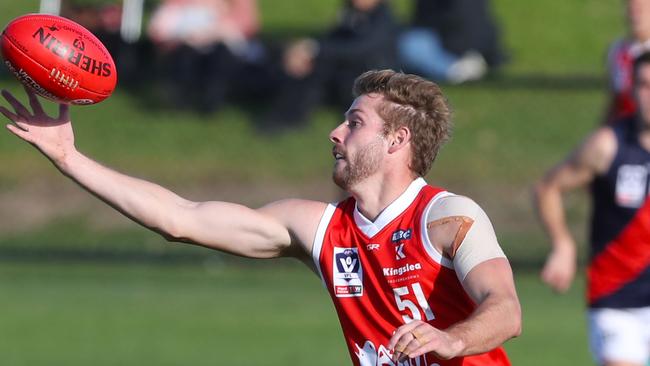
{"x": 620, "y": 59}
{"x": 203, "y": 45}
{"x": 102, "y": 17}
{"x": 362, "y": 39}
{"x": 451, "y": 40}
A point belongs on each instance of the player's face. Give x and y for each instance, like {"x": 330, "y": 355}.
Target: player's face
{"x": 359, "y": 142}
{"x": 638, "y": 14}
{"x": 642, "y": 88}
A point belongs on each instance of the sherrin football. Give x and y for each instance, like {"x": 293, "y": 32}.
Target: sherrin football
{"x": 58, "y": 58}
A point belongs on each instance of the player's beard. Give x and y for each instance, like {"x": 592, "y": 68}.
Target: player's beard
{"x": 359, "y": 166}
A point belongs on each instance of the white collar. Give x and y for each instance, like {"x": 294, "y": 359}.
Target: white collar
{"x": 391, "y": 212}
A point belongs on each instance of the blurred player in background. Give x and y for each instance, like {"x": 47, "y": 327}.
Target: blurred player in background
{"x": 620, "y": 58}
{"x": 614, "y": 162}
{"x": 416, "y": 273}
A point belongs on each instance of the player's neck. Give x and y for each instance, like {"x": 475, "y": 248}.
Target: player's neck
{"x": 376, "y": 193}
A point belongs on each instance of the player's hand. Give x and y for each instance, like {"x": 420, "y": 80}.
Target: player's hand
{"x": 417, "y": 338}
{"x": 52, "y": 136}
{"x": 560, "y": 267}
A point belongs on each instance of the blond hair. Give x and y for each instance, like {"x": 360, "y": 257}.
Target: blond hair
{"x": 414, "y": 102}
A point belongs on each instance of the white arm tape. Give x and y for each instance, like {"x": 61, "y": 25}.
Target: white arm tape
{"x": 480, "y": 243}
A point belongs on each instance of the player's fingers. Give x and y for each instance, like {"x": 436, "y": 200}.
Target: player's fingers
{"x": 401, "y": 331}
{"x": 37, "y": 108}
{"x": 562, "y": 285}
{"x": 552, "y": 283}
{"x": 20, "y": 133}
{"x": 397, "y": 357}
{"x": 421, "y": 332}
{"x": 411, "y": 347}
{"x": 404, "y": 340}
{"x": 64, "y": 112}
{"x": 428, "y": 339}
{"x": 421, "y": 336}
{"x": 19, "y": 108}
{"x": 424, "y": 348}
{"x": 549, "y": 277}
{"x": 545, "y": 277}
{"x": 556, "y": 281}
{"x": 401, "y": 346}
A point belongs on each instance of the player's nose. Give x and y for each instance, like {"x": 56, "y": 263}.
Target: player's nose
{"x": 336, "y": 134}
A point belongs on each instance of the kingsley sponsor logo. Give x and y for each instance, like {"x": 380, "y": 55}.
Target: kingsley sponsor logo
{"x": 398, "y": 271}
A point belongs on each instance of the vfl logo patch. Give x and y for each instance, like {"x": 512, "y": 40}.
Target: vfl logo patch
{"x": 347, "y": 272}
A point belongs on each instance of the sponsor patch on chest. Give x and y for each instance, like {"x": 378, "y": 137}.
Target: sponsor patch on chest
{"x": 631, "y": 185}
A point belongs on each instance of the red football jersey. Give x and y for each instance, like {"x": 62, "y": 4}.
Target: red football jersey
{"x": 620, "y": 62}
{"x": 386, "y": 273}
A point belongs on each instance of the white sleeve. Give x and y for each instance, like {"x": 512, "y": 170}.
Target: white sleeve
{"x": 473, "y": 240}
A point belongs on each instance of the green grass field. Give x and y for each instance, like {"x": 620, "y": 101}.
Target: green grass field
{"x": 211, "y": 310}
{"x": 215, "y": 314}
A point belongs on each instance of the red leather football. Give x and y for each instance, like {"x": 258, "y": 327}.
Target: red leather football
{"x": 58, "y": 58}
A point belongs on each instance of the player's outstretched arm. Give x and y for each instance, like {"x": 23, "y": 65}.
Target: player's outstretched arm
{"x": 282, "y": 228}
{"x": 592, "y": 157}
{"x": 461, "y": 231}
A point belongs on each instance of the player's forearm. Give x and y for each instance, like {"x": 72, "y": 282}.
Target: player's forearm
{"x": 223, "y": 226}
{"x": 550, "y": 209}
{"x": 146, "y": 203}
{"x": 495, "y": 321}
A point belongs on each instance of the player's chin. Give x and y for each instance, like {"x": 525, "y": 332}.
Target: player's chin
{"x": 339, "y": 167}
{"x": 340, "y": 177}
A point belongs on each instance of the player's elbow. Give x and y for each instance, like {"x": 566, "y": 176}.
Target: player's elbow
{"x": 172, "y": 237}
{"x": 543, "y": 191}
{"x": 540, "y": 189}
{"x": 515, "y": 319}
{"x": 510, "y": 317}
{"x": 171, "y": 234}
{"x": 175, "y": 233}
{"x": 174, "y": 226}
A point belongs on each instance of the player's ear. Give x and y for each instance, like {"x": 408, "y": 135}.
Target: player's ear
{"x": 400, "y": 138}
